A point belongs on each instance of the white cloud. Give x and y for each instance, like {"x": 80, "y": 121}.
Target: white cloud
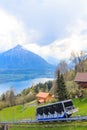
{"x": 61, "y": 49}
{"x": 63, "y": 21}
{"x": 33, "y": 35}
{"x": 11, "y": 31}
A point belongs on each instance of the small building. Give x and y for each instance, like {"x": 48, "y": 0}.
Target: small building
{"x": 81, "y": 79}
{"x": 43, "y": 97}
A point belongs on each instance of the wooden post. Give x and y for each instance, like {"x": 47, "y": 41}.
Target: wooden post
{"x": 4, "y": 127}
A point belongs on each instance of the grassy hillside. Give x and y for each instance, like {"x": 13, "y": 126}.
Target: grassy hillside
{"x": 28, "y": 111}
{"x": 81, "y": 104}
{"x": 18, "y": 113}
{"x": 53, "y": 126}
{"x": 56, "y": 128}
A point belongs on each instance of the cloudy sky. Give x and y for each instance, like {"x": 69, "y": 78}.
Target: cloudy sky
{"x": 50, "y": 28}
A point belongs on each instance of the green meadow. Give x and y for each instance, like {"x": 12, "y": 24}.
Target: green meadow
{"x": 28, "y": 111}
{"x": 52, "y": 126}
{"x": 17, "y": 113}
{"x": 81, "y": 104}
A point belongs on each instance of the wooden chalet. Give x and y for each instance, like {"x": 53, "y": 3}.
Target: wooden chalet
{"x": 81, "y": 79}
{"x": 43, "y": 97}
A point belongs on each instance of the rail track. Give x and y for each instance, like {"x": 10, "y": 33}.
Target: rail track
{"x": 76, "y": 118}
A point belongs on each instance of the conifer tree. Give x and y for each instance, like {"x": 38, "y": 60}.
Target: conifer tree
{"x": 61, "y": 91}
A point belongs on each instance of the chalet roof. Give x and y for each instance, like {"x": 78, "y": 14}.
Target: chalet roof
{"x": 81, "y": 77}
{"x": 41, "y": 100}
{"x": 42, "y": 94}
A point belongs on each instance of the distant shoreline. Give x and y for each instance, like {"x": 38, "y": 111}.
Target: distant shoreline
{"x": 18, "y": 86}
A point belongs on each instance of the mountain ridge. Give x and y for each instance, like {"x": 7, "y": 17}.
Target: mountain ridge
{"x": 19, "y": 57}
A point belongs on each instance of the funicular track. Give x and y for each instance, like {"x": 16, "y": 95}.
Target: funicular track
{"x": 6, "y": 124}
{"x": 75, "y": 118}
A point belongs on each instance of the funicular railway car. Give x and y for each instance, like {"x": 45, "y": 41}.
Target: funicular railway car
{"x": 54, "y": 111}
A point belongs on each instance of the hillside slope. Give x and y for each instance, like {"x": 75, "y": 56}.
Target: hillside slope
{"x": 20, "y": 58}
{"x": 28, "y": 111}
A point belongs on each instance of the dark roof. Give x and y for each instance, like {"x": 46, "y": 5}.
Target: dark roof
{"x": 81, "y": 77}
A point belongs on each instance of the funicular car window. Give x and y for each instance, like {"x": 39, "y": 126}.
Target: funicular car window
{"x": 51, "y": 109}
{"x": 45, "y": 110}
{"x": 58, "y": 107}
{"x": 40, "y": 111}
{"x": 61, "y": 106}
{"x": 69, "y": 103}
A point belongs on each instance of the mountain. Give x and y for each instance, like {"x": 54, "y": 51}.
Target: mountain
{"x": 20, "y": 58}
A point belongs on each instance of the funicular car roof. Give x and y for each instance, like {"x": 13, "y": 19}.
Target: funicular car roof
{"x": 54, "y": 103}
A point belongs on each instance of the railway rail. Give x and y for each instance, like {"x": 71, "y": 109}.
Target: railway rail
{"x": 76, "y": 118}
{"x": 5, "y": 124}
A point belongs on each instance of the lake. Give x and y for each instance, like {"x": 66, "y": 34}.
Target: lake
{"x": 21, "y": 79}
{"x": 18, "y": 86}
